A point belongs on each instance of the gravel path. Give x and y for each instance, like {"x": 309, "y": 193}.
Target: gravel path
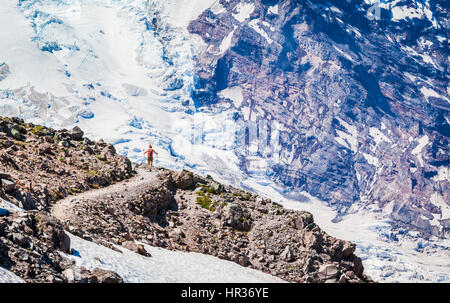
{"x": 130, "y": 188}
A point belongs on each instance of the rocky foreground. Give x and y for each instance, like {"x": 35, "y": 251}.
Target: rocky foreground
{"x": 68, "y": 183}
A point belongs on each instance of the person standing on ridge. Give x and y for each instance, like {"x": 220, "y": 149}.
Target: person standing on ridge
{"x": 150, "y": 153}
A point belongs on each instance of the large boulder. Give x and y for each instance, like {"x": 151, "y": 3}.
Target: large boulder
{"x": 303, "y": 220}
{"x": 235, "y": 217}
{"x": 8, "y": 185}
{"x": 106, "y": 276}
{"x": 137, "y": 248}
{"x": 52, "y": 230}
{"x": 327, "y": 272}
{"x": 183, "y": 180}
{"x": 76, "y": 133}
{"x": 154, "y": 200}
{"x": 186, "y": 180}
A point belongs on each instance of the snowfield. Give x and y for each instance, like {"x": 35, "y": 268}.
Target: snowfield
{"x": 164, "y": 266}
{"x": 8, "y": 277}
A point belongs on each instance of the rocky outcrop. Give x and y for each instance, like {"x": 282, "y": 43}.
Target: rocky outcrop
{"x": 355, "y": 116}
{"x": 50, "y": 229}
{"x": 153, "y": 201}
{"x": 31, "y": 244}
{"x": 81, "y": 275}
{"x": 40, "y": 165}
{"x": 163, "y": 208}
{"x": 137, "y": 248}
{"x": 231, "y": 224}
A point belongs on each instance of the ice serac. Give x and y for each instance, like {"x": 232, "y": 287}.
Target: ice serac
{"x": 360, "y": 107}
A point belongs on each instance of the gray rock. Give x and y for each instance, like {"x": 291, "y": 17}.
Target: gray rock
{"x": 287, "y": 254}
{"x": 15, "y": 133}
{"x": 137, "y": 248}
{"x": 21, "y": 240}
{"x": 69, "y": 274}
{"x": 51, "y": 228}
{"x": 327, "y": 271}
{"x": 64, "y": 143}
{"x": 183, "y": 180}
{"x": 76, "y": 133}
{"x": 234, "y": 216}
{"x": 217, "y": 187}
{"x": 29, "y": 202}
{"x": 303, "y": 220}
{"x": 106, "y": 276}
{"x": 8, "y": 185}
{"x": 348, "y": 249}
{"x": 343, "y": 279}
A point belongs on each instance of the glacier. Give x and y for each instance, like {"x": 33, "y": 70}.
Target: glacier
{"x": 123, "y": 71}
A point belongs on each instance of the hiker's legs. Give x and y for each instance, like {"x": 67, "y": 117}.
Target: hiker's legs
{"x": 150, "y": 162}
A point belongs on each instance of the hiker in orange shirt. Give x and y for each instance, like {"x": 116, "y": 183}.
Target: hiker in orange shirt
{"x": 150, "y": 153}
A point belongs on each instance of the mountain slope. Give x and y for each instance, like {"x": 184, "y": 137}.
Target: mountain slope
{"x": 356, "y": 111}
{"x": 173, "y": 210}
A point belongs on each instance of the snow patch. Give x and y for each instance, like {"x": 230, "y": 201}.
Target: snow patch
{"x": 418, "y": 150}
{"x": 226, "y": 42}
{"x": 182, "y": 12}
{"x": 437, "y": 200}
{"x": 378, "y": 136}
{"x": 217, "y": 8}
{"x": 443, "y": 174}
{"x": 371, "y": 159}
{"x": 428, "y": 92}
{"x": 233, "y": 93}
{"x": 254, "y": 24}
{"x": 349, "y": 138}
{"x": 422, "y": 143}
{"x": 273, "y": 9}
{"x": 243, "y": 11}
{"x": 8, "y": 277}
{"x": 164, "y": 266}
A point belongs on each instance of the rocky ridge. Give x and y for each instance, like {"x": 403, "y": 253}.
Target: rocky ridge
{"x": 183, "y": 211}
{"x": 163, "y": 208}
{"x": 30, "y": 246}
{"x": 40, "y": 165}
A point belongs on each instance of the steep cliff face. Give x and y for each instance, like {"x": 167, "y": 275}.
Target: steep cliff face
{"x": 352, "y": 110}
